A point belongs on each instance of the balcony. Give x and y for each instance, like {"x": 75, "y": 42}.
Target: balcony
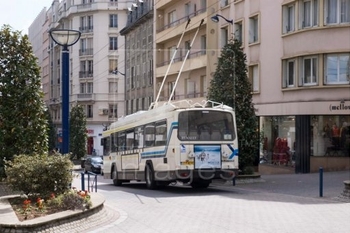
{"x": 195, "y": 60}
{"x": 83, "y": 97}
{"x": 182, "y": 20}
{"x": 86, "y": 74}
{"x": 86, "y": 52}
{"x": 86, "y": 29}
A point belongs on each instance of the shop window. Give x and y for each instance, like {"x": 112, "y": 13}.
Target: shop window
{"x": 330, "y": 135}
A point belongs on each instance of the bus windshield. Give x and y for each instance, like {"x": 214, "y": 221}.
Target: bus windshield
{"x": 206, "y": 125}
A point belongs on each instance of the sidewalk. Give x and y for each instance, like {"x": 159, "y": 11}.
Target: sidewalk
{"x": 303, "y": 185}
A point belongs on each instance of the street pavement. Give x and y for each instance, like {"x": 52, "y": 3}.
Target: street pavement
{"x": 272, "y": 203}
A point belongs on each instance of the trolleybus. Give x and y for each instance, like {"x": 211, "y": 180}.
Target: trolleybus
{"x": 191, "y": 143}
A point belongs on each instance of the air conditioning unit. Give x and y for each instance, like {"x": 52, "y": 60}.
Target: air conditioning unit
{"x": 103, "y": 111}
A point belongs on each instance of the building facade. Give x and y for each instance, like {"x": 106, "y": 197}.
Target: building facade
{"x": 94, "y": 84}
{"x": 298, "y": 59}
{"x": 298, "y": 64}
{"x": 138, "y": 35}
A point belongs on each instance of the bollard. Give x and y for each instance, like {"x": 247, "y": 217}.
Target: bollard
{"x": 321, "y": 181}
{"x": 82, "y": 181}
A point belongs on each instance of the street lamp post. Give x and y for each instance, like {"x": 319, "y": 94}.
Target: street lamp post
{"x": 65, "y": 38}
{"x": 215, "y": 19}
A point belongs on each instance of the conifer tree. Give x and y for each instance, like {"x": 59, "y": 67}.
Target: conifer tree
{"x": 230, "y": 85}
{"x": 23, "y": 125}
{"x": 77, "y": 129}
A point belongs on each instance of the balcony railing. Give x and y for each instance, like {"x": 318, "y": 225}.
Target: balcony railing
{"x": 86, "y": 29}
{"x": 85, "y": 52}
{"x": 86, "y": 74}
{"x": 182, "y": 20}
{"x": 181, "y": 58}
{"x": 184, "y": 96}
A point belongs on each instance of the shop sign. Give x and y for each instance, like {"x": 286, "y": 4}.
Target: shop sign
{"x": 90, "y": 131}
{"x": 339, "y": 107}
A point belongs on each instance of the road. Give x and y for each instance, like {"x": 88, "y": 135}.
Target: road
{"x": 260, "y": 207}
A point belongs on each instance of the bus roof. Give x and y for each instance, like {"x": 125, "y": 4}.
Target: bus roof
{"x": 158, "y": 111}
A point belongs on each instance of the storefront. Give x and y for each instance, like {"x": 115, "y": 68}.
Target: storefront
{"x": 307, "y": 142}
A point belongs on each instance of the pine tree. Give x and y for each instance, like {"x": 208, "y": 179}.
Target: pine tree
{"x": 23, "y": 126}
{"x": 230, "y": 85}
{"x": 77, "y": 129}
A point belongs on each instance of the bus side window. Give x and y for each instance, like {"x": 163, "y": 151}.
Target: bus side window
{"x": 149, "y": 135}
{"x": 139, "y": 137}
{"x": 121, "y": 141}
{"x": 129, "y": 140}
{"x": 114, "y": 142}
{"x": 161, "y": 133}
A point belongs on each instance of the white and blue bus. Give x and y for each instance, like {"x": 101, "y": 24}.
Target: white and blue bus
{"x": 179, "y": 141}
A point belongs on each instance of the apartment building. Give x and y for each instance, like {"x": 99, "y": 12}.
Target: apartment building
{"x": 298, "y": 62}
{"x": 94, "y": 84}
{"x": 190, "y": 64}
{"x": 39, "y": 39}
{"x": 138, "y": 33}
{"x": 299, "y": 66}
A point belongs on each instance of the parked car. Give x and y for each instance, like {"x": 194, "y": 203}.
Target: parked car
{"x": 93, "y": 164}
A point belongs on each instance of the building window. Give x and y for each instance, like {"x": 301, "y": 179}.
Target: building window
{"x": 203, "y": 86}
{"x": 337, "y": 11}
{"x": 288, "y": 12}
{"x": 337, "y": 68}
{"x": 224, "y": 36}
{"x": 172, "y": 18}
{"x": 171, "y": 86}
{"x": 89, "y": 111}
{"x": 308, "y": 13}
{"x": 113, "y": 43}
{"x": 187, "y": 9}
{"x": 190, "y": 88}
{"x": 171, "y": 52}
{"x": 90, "y": 88}
{"x": 223, "y": 3}
{"x": 289, "y": 73}
{"x": 113, "y": 66}
{"x": 254, "y": 29}
{"x": 238, "y": 34}
{"x": 309, "y": 71}
{"x": 254, "y": 77}
{"x": 113, "y": 87}
{"x": 203, "y": 44}
{"x": 90, "y": 23}
{"x": 113, "y": 110}
{"x": 113, "y": 21}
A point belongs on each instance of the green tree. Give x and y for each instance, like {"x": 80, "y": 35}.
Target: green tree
{"x": 78, "y": 136}
{"x": 23, "y": 126}
{"x": 230, "y": 85}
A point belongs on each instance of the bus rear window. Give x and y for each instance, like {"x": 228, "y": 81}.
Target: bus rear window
{"x": 206, "y": 125}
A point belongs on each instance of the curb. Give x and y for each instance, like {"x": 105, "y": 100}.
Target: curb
{"x": 10, "y": 223}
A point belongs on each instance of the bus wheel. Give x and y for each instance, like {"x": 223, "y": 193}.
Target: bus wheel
{"x": 150, "y": 182}
{"x": 116, "y": 181}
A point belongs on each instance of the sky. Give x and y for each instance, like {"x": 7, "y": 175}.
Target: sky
{"x": 20, "y": 14}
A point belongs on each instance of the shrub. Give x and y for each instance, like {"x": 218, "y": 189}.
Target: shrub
{"x": 39, "y": 174}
